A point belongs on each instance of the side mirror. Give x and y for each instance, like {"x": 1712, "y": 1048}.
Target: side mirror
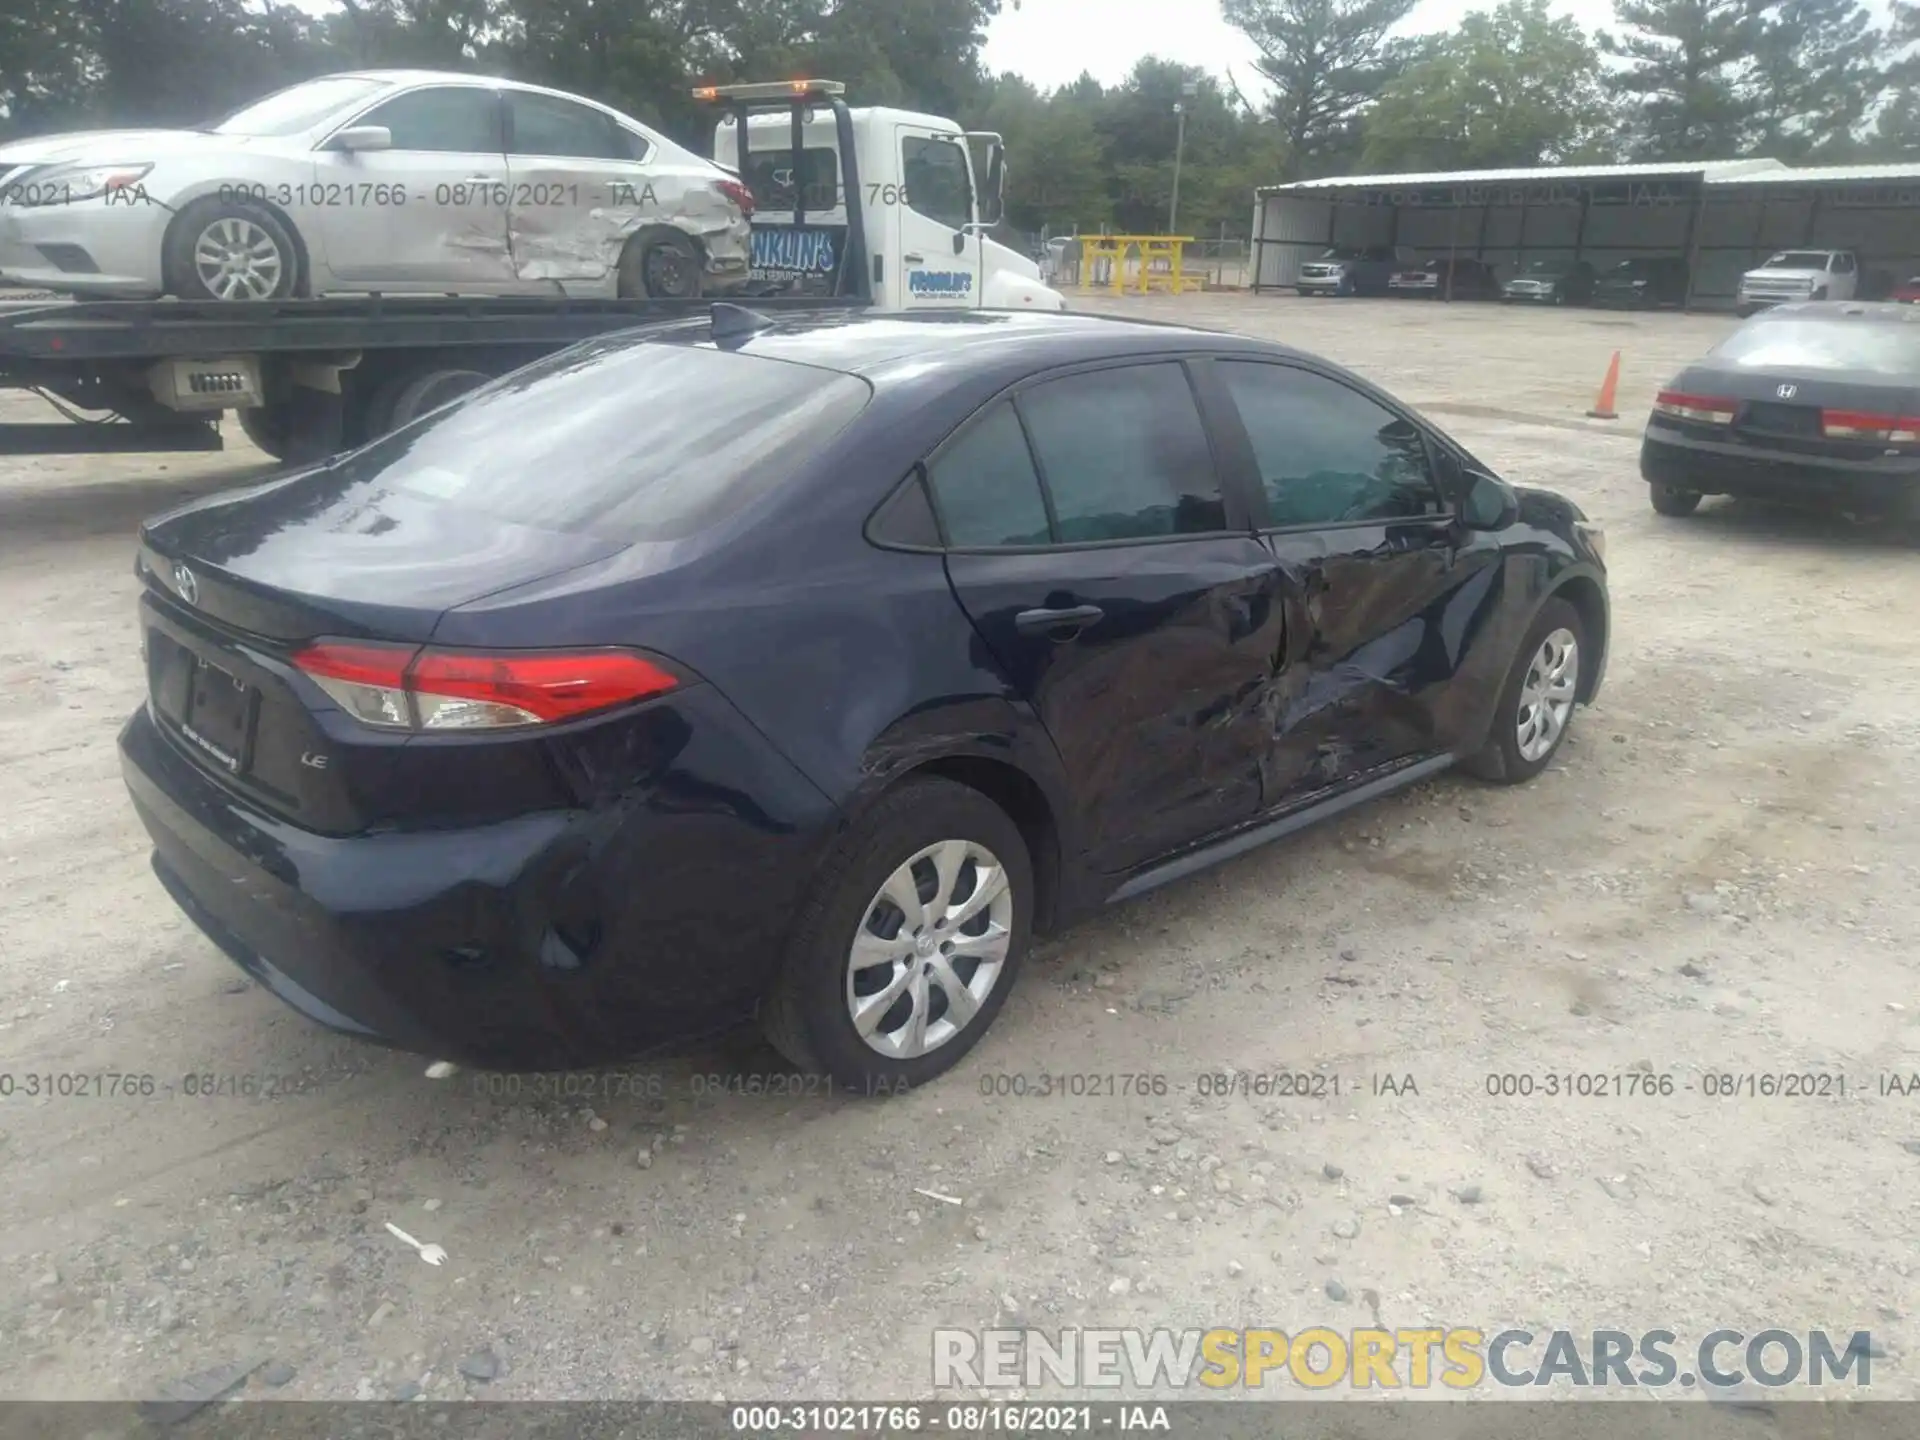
{"x": 960, "y": 240}
{"x": 357, "y": 138}
{"x": 1486, "y": 501}
{"x": 993, "y": 204}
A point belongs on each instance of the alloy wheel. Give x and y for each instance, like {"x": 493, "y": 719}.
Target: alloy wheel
{"x": 1547, "y": 694}
{"x": 931, "y": 946}
{"x": 237, "y": 259}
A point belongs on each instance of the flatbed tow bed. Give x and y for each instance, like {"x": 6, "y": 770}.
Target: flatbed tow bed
{"x": 312, "y": 377}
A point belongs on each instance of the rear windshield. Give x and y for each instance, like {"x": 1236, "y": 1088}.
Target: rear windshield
{"x": 1884, "y": 347}
{"x": 636, "y": 442}
{"x": 770, "y": 175}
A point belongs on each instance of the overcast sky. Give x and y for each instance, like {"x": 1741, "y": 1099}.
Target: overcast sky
{"x": 1051, "y": 41}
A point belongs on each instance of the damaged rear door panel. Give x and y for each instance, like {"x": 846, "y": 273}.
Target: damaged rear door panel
{"x": 582, "y": 184}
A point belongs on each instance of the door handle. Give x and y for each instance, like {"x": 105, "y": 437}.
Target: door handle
{"x": 1057, "y": 624}
{"x": 914, "y": 259}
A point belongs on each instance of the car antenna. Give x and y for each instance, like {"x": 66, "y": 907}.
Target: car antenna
{"x": 737, "y": 322}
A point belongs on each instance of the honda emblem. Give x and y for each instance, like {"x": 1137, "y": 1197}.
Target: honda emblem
{"x": 184, "y": 582}
{"x": 1787, "y": 392}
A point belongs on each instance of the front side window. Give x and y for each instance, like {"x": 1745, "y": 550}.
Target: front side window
{"x": 1124, "y": 455}
{"x": 938, "y": 183}
{"x": 1328, "y": 455}
{"x": 462, "y": 119}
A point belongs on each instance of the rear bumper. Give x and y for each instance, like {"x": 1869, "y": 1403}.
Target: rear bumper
{"x": 1889, "y": 485}
{"x": 547, "y": 941}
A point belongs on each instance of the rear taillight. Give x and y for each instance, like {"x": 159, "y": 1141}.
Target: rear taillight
{"x": 1863, "y": 425}
{"x": 736, "y": 192}
{"x": 403, "y": 687}
{"x": 1710, "y": 409}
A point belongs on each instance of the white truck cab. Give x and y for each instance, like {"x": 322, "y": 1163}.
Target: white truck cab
{"x": 923, "y": 207}
{"x": 1800, "y": 275}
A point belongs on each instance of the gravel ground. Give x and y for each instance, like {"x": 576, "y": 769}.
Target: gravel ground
{"x": 1718, "y": 876}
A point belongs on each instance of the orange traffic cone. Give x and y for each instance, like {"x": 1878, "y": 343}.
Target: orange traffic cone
{"x": 1603, "y": 407}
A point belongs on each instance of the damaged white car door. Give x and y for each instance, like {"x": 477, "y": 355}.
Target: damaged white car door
{"x": 580, "y": 186}
{"x": 430, "y": 209}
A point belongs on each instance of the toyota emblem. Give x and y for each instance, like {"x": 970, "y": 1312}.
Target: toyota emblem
{"x": 1787, "y": 392}
{"x": 184, "y": 582}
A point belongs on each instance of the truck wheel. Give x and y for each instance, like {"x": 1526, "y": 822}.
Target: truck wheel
{"x": 267, "y": 427}
{"x": 661, "y": 265}
{"x": 226, "y": 250}
{"x": 408, "y": 397}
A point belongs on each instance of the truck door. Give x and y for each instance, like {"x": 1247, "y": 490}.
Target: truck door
{"x": 940, "y": 258}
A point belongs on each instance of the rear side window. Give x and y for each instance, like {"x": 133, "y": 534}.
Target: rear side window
{"x": 1123, "y": 454}
{"x": 770, "y": 175}
{"x": 548, "y": 125}
{"x": 633, "y": 441}
{"x": 1882, "y": 347}
{"x": 986, "y": 486}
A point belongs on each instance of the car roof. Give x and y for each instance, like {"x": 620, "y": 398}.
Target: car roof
{"x": 885, "y": 347}
{"x": 1883, "y": 311}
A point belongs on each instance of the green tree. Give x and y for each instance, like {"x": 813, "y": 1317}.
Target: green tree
{"x": 1327, "y": 61}
{"x": 1688, "y": 82}
{"x": 1057, "y": 172}
{"x": 1821, "y": 74}
{"x": 1514, "y": 86}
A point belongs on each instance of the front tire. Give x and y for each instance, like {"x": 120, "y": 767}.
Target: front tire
{"x": 228, "y": 250}
{"x": 1538, "y": 699}
{"x": 910, "y": 939}
{"x": 1672, "y": 500}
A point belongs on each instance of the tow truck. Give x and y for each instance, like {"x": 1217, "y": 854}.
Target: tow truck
{"x": 870, "y": 208}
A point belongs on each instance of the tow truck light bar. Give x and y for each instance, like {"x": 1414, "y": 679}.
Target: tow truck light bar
{"x": 770, "y": 90}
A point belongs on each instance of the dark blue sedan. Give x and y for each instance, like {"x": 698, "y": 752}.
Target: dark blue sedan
{"x": 810, "y": 667}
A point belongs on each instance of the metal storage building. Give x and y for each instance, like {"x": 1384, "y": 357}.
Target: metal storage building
{"x": 1725, "y": 216}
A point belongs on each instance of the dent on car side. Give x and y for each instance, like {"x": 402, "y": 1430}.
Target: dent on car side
{"x": 900, "y": 636}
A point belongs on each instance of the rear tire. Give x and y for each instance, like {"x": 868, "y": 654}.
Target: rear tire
{"x": 839, "y": 954}
{"x": 1672, "y": 500}
{"x": 661, "y": 264}
{"x": 1537, "y": 702}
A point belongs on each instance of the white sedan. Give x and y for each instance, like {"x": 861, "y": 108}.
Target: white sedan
{"x": 390, "y": 181}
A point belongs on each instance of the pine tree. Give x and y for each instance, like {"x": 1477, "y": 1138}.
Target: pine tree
{"x": 1821, "y": 75}
{"x": 1690, "y": 83}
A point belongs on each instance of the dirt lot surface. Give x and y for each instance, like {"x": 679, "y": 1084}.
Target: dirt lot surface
{"x": 1719, "y": 876}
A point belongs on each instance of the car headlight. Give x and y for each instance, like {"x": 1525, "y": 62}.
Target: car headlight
{"x": 64, "y": 184}
{"x": 1594, "y": 535}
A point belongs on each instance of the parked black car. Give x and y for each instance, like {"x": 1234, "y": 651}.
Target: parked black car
{"x": 1551, "y": 282}
{"x": 1471, "y": 279}
{"x": 1813, "y": 403}
{"x": 1644, "y": 282}
{"x": 815, "y": 665}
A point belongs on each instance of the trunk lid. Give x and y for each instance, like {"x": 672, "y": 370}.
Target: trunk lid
{"x": 321, "y": 554}
{"x": 237, "y": 584}
{"x": 1781, "y": 408}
